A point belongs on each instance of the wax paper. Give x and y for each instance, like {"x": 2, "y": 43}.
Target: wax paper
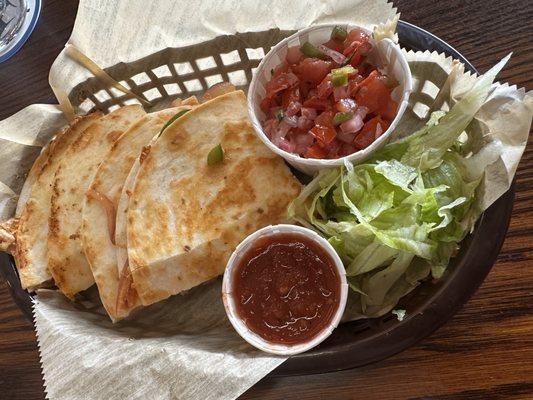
{"x": 184, "y": 347}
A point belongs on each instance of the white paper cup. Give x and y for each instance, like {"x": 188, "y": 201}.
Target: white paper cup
{"x": 229, "y": 301}
{"x": 385, "y": 54}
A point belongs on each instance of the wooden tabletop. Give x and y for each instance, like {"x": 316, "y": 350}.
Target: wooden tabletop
{"x": 484, "y": 352}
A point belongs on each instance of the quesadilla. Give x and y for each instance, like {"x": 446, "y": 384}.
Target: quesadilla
{"x": 66, "y": 259}
{"x": 34, "y": 203}
{"x": 185, "y": 217}
{"x": 100, "y": 210}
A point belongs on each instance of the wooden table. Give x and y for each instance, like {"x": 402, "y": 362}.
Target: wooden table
{"x": 484, "y": 352}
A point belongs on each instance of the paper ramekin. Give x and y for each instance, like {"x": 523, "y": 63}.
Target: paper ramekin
{"x": 385, "y": 54}
{"x": 229, "y": 301}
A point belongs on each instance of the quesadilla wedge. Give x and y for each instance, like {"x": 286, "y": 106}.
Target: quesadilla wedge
{"x": 66, "y": 259}
{"x": 184, "y": 216}
{"x": 30, "y": 251}
{"x": 100, "y": 210}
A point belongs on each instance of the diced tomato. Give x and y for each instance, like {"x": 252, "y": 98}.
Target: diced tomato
{"x": 367, "y": 135}
{"x": 335, "y": 45}
{"x": 319, "y": 104}
{"x": 356, "y": 35}
{"x": 315, "y": 151}
{"x": 264, "y": 105}
{"x": 372, "y": 93}
{"x": 304, "y": 89}
{"x": 333, "y": 148}
{"x": 294, "y": 55}
{"x": 283, "y": 67}
{"x": 355, "y": 60}
{"x": 289, "y": 96}
{"x": 281, "y": 82}
{"x": 312, "y": 70}
{"x": 324, "y": 134}
{"x": 301, "y": 87}
{"x": 356, "y": 38}
{"x": 388, "y": 111}
{"x": 325, "y": 119}
{"x": 325, "y": 88}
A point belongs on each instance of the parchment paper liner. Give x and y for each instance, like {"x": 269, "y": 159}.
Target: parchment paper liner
{"x": 184, "y": 347}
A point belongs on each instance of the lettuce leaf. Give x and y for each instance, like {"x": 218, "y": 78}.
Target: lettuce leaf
{"x": 400, "y": 216}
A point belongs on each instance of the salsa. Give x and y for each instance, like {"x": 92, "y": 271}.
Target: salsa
{"x": 327, "y": 101}
{"x": 286, "y": 288}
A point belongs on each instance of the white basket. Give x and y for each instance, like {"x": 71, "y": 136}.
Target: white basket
{"x": 385, "y": 54}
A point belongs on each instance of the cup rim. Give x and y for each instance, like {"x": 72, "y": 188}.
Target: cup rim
{"x": 229, "y": 302}
{"x": 295, "y": 159}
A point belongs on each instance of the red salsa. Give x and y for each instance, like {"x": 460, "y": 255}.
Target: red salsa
{"x": 327, "y": 101}
{"x": 286, "y": 288}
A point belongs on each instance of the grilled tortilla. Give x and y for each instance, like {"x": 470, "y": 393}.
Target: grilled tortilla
{"x": 66, "y": 260}
{"x": 100, "y": 210}
{"x": 30, "y": 251}
{"x": 185, "y": 217}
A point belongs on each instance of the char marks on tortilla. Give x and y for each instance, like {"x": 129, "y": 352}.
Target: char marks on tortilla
{"x": 100, "y": 210}
{"x": 185, "y": 217}
{"x": 66, "y": 259}
{"x": 30, "y": 250}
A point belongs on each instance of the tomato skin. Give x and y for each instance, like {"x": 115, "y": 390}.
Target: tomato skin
{"x": 356, "y": 60}
{"x": 264, "y": 105}
{"x": 283, "y": 67}
{"x": 325, "y": 119}
{"x": 319, "y": 104}
{"x": 388, "y": 111}
{"x": 312, "y": 70}
{"x": 289, "y": 96}
{"x": 367, "y": 134}
{"x": 280, "y": 82}
{"x": 324, "y": 134}
{"x": 372, "y": 93}
{"x": 315, "y": 151}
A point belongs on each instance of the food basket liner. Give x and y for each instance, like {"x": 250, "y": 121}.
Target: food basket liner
{"x": 184, "y": 347}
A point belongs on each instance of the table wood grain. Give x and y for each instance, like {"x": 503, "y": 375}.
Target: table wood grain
{"x": 484, "y": 352}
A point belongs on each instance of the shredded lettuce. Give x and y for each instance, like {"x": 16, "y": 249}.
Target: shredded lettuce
{"x": 400, "y": 216}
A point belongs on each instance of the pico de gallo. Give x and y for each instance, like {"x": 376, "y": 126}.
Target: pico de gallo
{"x": 327, "y": 101}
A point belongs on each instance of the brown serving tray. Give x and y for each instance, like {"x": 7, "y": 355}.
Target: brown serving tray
{"x": 354, "y": 343}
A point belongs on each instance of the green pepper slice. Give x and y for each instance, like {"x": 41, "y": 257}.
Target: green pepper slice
{"x": 216, "y": 155}
{"x": 341, "y": 117}
{"x": 339, "y": 33}
{"x": 339, "y": 76}
{"x": 311, "y": 51}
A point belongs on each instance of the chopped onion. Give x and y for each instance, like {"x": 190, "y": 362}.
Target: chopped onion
{"x": 284, "y": 128}
{"x": 218, "y": 89}
{"x": 362, "y": 111}
{"x": 353, "y": 125}
{"x": 292, "y": 120}
{"x": 333, "y": 149}
{"x": 346, "y": 105}
{"x": 339, "y": 58}
{"x": 270, "y": 127}
{"x": 309, "y": 113}
{"x": 109, "y": 208}
{"x": 340, "y": 92}
{"x": 302, "y": 142}
{"x": 293, "y": 55}
{"x": 379, "y": 131}
{"x": 293, "y": 108}
{"x": 345, "y": 137}
{"x": 286, "y": 145}
{"x": 305, "y": 123}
